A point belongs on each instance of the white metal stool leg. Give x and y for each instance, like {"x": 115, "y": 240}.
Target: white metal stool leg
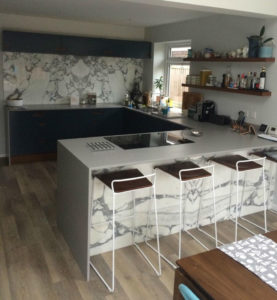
{"x": 181, "y": 225}
{"x": 157, "y": 271}
{"x": 110, "y": 288}
{"x": 237, "y": 200}
{"x": 231, "y": 193}
{"x": 237, "y": 204}
{"x": 215, "y": 238}
{"x": 157, "y": 250}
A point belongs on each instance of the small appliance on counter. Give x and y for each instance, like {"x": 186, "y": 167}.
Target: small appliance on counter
{"x": 206, "y": 110}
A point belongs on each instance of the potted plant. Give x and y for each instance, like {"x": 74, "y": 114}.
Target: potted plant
{"x": 159, "y": 83}
{"x": 265, "y": 46}
{"x": 15, "y": 99}
{"x": 256, "y": 42}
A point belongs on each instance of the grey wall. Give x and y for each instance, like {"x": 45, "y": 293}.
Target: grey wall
{"x": 225, "y": 33}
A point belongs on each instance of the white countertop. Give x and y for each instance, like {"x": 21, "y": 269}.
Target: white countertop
{"x": 216, "y": 140}
{"x": 61, "y": 107}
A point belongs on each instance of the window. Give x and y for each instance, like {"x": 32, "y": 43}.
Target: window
{"x": 176, "y": 71}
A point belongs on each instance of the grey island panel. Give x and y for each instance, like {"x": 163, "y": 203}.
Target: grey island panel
{"x": 73, "y": 206}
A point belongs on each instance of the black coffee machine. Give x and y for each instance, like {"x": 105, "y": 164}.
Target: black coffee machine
{"x": 207, "y": 111}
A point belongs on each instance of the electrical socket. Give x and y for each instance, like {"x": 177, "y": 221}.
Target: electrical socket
{"x": 253, "y": 115}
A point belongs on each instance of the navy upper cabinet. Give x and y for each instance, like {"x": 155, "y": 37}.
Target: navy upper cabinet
{"x": 31, "y": 42}
{"x": 61, "y": 44}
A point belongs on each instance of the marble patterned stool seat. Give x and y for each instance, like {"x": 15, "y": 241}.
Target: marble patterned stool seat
{"x": 240, "y": 164}
{"x": 188, "y": 171}
{"x": 128, "y": 181}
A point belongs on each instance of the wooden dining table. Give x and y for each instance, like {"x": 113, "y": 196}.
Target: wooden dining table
{"x": 215, "y": 275}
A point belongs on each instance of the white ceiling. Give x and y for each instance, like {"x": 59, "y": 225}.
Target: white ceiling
{"x": 106, "y": 11}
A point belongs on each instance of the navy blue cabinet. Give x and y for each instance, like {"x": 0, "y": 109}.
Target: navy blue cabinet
{"x": 32, "y": 132}
{"x": 36, "y": 132}
{"x": 31, "y": 42}
{"x": 15, "y": 41}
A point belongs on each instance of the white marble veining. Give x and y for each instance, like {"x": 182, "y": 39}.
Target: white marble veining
{"x": 167, "y": 189}
{"x": 216, "y": 140}
{"x": 48, "y": 78}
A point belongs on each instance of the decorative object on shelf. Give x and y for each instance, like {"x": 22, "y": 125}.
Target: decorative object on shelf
{"x": 204, "y": 74}
{"x": 256, "y": 42}
{"x": 265, "y": 46}
{"x": 253, "y": 46}
{"x": 211, "y": 81}
{"x": 159, "y": 85}
{"x": 244, "y": 52}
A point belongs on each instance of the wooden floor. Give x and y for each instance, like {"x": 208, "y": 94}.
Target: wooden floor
{"x": 35, "y": 262}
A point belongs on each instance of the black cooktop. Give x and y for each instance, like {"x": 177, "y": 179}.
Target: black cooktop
{"x": 147, "y": 140}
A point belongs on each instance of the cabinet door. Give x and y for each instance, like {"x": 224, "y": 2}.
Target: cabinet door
{"x": 31, "y": 42}
{"x": 105, "y": 47}
{"x": 16, "y": 41}
{"x": 32, "y": 132}
{"x": 79, "y": 123}
{"x": 137, "y": 122}
{"x": 76, "y": 45}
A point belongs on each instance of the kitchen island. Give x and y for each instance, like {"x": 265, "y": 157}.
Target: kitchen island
{"x": 84, "y": 203}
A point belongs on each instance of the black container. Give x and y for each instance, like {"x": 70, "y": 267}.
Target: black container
{"x": 254, "y": 45}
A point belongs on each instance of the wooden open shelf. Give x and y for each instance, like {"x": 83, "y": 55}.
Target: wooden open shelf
{"x": 228, "y": 90}
{"x": 235, "y": 59}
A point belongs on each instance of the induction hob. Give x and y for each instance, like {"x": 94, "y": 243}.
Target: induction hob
{"x": 147, "y": 140}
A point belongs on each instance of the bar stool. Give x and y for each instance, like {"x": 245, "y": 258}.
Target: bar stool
{"x": 240, "y": 164}
{"x": 127, "y": 181}
{"x": 188, "y": 171}
{"x": 270, "y": 159}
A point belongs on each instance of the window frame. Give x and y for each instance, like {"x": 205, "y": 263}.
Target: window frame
{"x": 173, "y": 60}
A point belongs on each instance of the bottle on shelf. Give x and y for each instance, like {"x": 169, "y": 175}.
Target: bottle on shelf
{"x": 242, "y": 81}
{"x": 223, "y": 81}
{"x": 254, "y": 80}
{"x": 249, "y": 80}
{"x": 262, "y": 79}
{"x": 237, "y": 84}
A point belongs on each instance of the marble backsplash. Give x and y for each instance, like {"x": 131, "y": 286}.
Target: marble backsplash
{"x": 47, "y": 78}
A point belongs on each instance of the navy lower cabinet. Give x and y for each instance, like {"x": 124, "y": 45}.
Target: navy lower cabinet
{"x": 33, "y": 135}
{"x": 32, "y": 132}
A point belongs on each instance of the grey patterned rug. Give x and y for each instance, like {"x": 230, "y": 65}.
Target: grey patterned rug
{"x": 258, "y": 254}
